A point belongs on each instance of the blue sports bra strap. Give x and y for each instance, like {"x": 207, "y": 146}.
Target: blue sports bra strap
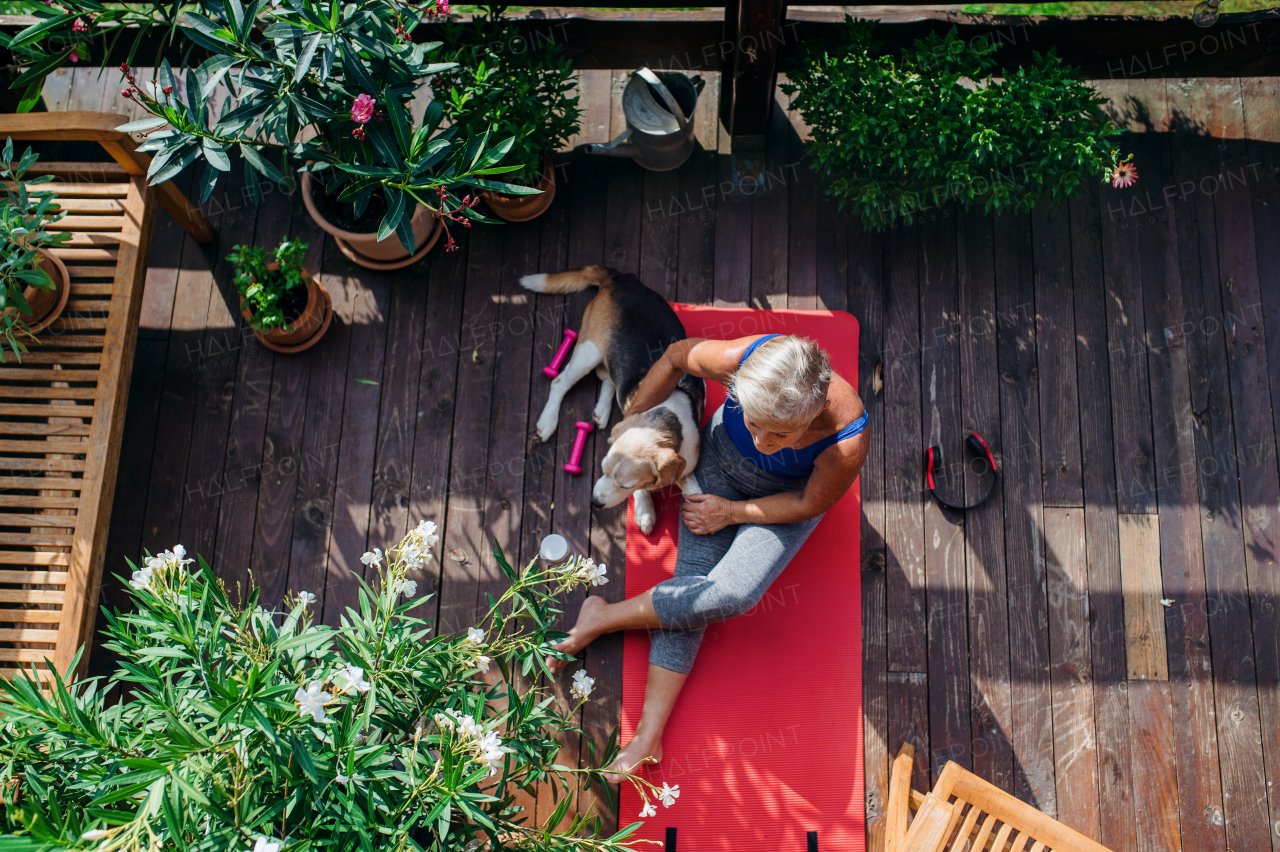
{"x": 754, "y": 346}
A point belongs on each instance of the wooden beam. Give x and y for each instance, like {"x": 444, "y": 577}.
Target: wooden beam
{"x": 753, "y": 34}
{"x": 101, "y": 127}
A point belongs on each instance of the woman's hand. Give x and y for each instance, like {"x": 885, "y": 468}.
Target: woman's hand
{"x": 706, "y": 513}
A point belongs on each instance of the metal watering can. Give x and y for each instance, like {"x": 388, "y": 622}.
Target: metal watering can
{"x": 659, "y": 109}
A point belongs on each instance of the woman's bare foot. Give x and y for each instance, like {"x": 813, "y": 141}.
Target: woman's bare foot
{"x": 641, "y": 750}
{"x": 581, "y": 634}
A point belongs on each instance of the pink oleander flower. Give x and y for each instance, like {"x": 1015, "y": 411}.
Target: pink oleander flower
{"x": 358, "y": 133}
{"x": 79, "y": 26}
{"x": 74, "y": 57}
{"x": 1125, "y": 175}
{"x": 362, "y": 111}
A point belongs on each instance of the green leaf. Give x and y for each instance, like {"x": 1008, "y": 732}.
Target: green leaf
{"x": 304, "y": 58}
{"x": 37, "y": 71}
{"x": 261, "y": 163}
{"x": 395, "y": 212}
{"x": 30, "y": 97}
{"x": 36, "y": 31}
{"x": 143, "y": 124}
{"x": 305, "y": 762}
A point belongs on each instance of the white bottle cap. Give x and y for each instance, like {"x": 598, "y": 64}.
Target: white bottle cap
{"x": 554, "y": 548}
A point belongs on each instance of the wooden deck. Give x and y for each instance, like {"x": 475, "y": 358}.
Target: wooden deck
{"x": 1101, "y": 639}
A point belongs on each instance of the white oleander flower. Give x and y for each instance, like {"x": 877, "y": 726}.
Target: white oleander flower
{"x": 591, "y": 572}
{"x": 341, "y": 779}
{"x": 306, "y": 598}
{"x": 409, "y": 588}
{"x": 372, "y": 557}
{"x": 648, "y": 810}
{"x": 490, "y": 751}
{"x": 312, "y": 700}
{"x": 142, "y": 577}
{"x": 427, "y": 531}
{"x": 475, "y": 635}
{"x": 482, "y": 662}
{"x": 94, "y": 834}
{"x": 669, "y": 794}
{"x": 266, "y": 844}
{"x": 582, "y": 684}
{"x": 355, "y": 679}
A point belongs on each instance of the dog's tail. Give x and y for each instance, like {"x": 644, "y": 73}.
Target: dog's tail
{"x": 568, "y": 282}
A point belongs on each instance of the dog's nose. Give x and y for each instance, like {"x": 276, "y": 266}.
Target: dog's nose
{"x": 596, "y": 503}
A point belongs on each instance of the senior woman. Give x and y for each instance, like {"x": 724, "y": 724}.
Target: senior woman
{"x": 786, "y": 445}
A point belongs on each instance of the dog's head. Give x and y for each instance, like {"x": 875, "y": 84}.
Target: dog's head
{"x": 643, "y": 454}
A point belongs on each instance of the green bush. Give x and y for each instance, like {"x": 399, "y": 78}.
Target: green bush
{"x": 254, "y": 729}
{"x": 264, "y": 288}
{"x": 893, "y": 136}
{"x": 510, "y": 86}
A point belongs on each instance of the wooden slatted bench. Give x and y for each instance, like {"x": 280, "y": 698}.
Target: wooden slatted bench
{"x": 62, "y": 408}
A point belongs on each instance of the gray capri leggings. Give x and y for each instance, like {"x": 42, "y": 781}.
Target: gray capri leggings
{"x": 726, "y": 573}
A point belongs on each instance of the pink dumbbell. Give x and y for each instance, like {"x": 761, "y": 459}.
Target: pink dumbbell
{"x": 578, "y": 443}
{"x": 569, "y": 337}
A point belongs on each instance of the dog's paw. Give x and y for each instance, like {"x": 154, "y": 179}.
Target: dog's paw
{"x": 646, "y": 519}
{"x": 546, "y": 427}
{"x": 601, "y": 418}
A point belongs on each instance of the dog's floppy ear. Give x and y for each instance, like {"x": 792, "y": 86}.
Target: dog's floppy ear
{"x": 669, "y": 466}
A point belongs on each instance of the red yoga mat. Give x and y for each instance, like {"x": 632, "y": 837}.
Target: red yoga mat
{"x": 765, "y": 742}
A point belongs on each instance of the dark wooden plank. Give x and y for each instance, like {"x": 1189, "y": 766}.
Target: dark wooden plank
{"x": 162, "y": 270}
{"x": 733, "y": 244}
{"x": 1102, "y": 544}
{"x": 246, "y": 434}
{"x": 220, "y": 346}
{"x": 1024, "y": 543}
{"x": 603, "y": 713}
{"x": 908, "y": 701}
{"x": 367, "y": 298}
{"x": 1128, "y": 210}
{"x": 663, "y": 211}
{"x": 1074, "y": 743}
{"x": 1262, "y": 126}
{"x": 464, "y": 543}
{"x": 168, "y": 491}
{"x": 865, "y": 300}
{"x": 946, "y": 587}
{"x": 437, "y": 400}
{"x": 1255, "y": 443}
{"x": 991, "y": 715}
{"x": 314, "y": 502}
{"x": 769, "y": 199}
{"x": 904, "y": 497}
{"x": 802, "y": 229}
{"x": 124, "y": 539}
{"x": 833, "y": 248}
{"x": 1056, "y": 351}
{"x": 1195, "y": 753}
{"x": 283, "y": 456}
{"x": 397, "y": 422}
{"x": 1213, "y": 368}
{"x": 571, "y": 516}
{"x": 699, "y": 198}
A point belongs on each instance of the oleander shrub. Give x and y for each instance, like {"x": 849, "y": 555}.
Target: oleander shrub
{"x": 248, "y": 728}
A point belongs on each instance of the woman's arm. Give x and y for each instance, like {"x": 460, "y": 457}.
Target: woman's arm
{"x": 697, "y": 356}
{"x": 834, "y": 471}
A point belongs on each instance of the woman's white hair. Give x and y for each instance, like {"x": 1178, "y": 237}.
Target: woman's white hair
{"x": 783, "y": 383}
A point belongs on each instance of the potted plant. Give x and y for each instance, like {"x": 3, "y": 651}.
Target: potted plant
{"x": 288, "y": 309}
{"x": 896, "y": 135}
{"x": 36, "y": 283}
{"x": 317, "y": 86}
{"x": 255, "y": 726}
{"x": 503, "y": 83}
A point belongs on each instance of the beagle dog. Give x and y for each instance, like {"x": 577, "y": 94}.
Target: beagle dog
{"x": 625, "y": 330}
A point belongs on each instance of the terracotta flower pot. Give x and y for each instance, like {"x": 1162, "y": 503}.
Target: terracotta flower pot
{"x": 47, "y": 305}
{"x": 303, "y": 332}
{"x": 365, "y": 249}
{"x": 522, "y": 208}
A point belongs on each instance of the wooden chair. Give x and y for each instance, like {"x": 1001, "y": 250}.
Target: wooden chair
{"x": 62, "y": 409}
{"x": 963, "y": 813}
